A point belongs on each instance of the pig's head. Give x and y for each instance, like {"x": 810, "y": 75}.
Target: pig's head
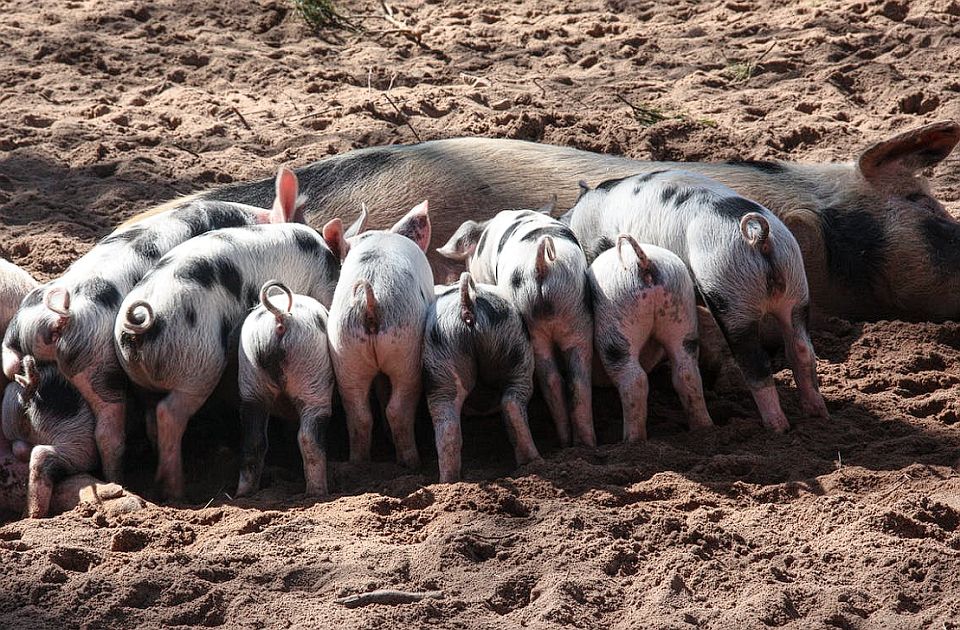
{"x": 875, "y": 242}
{"x": 463, "y": 243}
{"x": 36, "y": 328}
{"x": 287, "y": 205}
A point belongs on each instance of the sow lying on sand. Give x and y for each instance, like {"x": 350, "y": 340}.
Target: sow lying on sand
{"x": 859, "y": 223}
{"x": 744, "y": 260}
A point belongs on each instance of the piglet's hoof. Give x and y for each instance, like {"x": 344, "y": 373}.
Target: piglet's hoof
{"x": 90, "y": 491}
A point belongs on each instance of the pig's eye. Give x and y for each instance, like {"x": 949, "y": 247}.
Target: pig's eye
{"x": 916, "y": 197}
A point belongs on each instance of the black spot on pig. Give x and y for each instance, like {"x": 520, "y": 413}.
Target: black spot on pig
{"x": 147, "y": 248}
{"x": 561, "y": 232}
{"x": 270, "y": 359}
{"x": 12, "y": 337}
{"x": 515, "y": 358}
{"x": 735, "y": 207}
{"x": 191, "y": 315}
{"x": 764, "y": 166}
{"x": 195, "y": 220}
{"x": 942, "y": 239}
{"x": 251, "y": 295}
{"x": 320, "y": 322}
{"x": 855, "y": 244}
{"x": 667, "y": 194}
{"x": 516, "y": 278}
{"x": 221, "y": 216}
{"x": 643, "y": 180}
{"x": 198, "y": 270}
{"x": 481, "y": 243}
{"x": 507, "y": 234}
{"x": 615, "y": 354}
{"x": 416, "y": 228}
{"x": 609, "y": 184}
{"x": 229, "y": 277}
{"x": 493, "y": 310}
{"x": 307, "y": 243}
{"x": 101, "y": 292}
{"x": 691, "y": 346}
{"x": 684, "y": 196}
{"x": 226, "y": 330}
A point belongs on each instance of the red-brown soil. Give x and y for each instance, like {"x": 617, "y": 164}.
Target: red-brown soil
{"x": 110, "y": 107}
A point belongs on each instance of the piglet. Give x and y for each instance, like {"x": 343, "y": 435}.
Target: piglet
{"x": 70, "y": 320}
{"x": 174, "y": 333}
{"x": 48, "y": 424}
{"x": 376, "y": 327}
{"x": 642, "y": 297}
{"x": 285, "y": 369}
{"x": 15, "y": 283}
{"x": 473, "y": 335}
{"x": 538, "y": 261}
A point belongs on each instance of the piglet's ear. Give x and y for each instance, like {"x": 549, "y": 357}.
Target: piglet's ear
{"x": 285, "y": 203}
{"x": 911, "y": 151}
{"x": 463, "y": 243}
{"x": 360, "y": 224}
{"x": 334, "y": 237}
{"x": 415, "y": 225}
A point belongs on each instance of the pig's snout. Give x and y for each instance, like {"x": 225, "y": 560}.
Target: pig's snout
{"x": 11, "y": 363}
{"x": 139, "y": 318}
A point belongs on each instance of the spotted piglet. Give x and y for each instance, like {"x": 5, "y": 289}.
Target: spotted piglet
{"x": 175, "y": 330}
{"x": 539, "y": 263}
{"x": 285, "y": 370}
{"x": 643, "y": 297}
{"x": 50, "y": 426}
{"x": 473, "y": 335}
{"x": 376, "y": 327}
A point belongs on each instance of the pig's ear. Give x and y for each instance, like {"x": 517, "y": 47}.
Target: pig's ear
{"x": 285, "y": 203}
{"x": 360, "y": 224}
{"x": 463, "y": 243}
{"x": 911, "y": 151}
{"x": 334, "y": 236}
{"x": 549, "y": 207}
{"x": 415, "y": 225}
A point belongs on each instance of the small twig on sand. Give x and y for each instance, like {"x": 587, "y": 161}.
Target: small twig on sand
{"x": 405, "y": 119}
{"x": 415, "y": 35}
{"x": 242, "y": 119}
{"x": 186, "y": 150}
{"x": 386, "y": 597}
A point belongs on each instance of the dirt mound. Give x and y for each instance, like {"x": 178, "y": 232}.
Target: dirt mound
{"x": 110, "y": 107}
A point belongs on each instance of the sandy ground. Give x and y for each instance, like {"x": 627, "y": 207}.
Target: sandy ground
{"x": 109, "y": 107}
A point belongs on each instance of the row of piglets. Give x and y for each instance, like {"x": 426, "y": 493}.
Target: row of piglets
{"x": 531, "y": 307}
